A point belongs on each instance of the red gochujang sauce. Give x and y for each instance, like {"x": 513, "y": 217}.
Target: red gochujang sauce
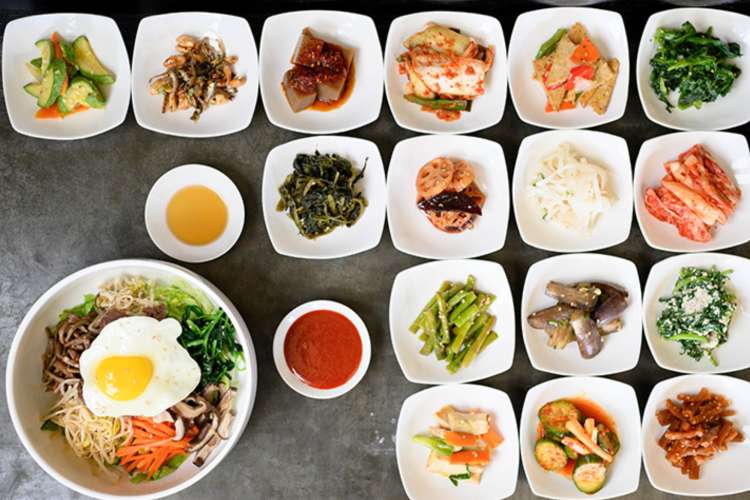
{"x": 323, "y": 349}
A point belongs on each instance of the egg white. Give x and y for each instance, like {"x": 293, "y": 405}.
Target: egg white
{"x": 175, "y": 373}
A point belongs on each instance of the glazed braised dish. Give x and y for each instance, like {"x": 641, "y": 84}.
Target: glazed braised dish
{"x": 143, "y": 376}
{"x": 699, "y": 312}
{"x": 696, "y": 195}
{"x": 322, "y": 75}
{"x": 460, "y": 445}
{"x": 697, "y": 430}
{"x": 200, "y": 75}
{"x": 574, "y": 73}
{"x": 446, "y": 69}
{"x": 584, "y": 314}
{"x": 570, "y": 190}
{"x": 576, "y": 438}
{"x": 321, "y": 195}
{"x": 67, "y": 77}
{"x": 448, "y": 194}
{"x": 696, "y": 65}
{"x": 455, "y": 324}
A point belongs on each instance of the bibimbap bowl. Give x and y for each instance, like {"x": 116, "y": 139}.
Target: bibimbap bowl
{"x": 28, "y": 402}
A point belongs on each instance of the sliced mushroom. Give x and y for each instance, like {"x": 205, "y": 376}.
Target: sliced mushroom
{"x": 191, "y": 407}
{"x": 203, "y": 453}
{"x": 226, "y": 420}
{"x": 205, "y": 434}
{"x": 179, "y": 429}
{"x": 164, "y": 416}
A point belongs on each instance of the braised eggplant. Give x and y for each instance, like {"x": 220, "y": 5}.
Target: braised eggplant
{"x": 580, "y": 295}
{"x": 550, "y": 316}
{"x": 612, "y": 303}
{"x": 587, "y": 335}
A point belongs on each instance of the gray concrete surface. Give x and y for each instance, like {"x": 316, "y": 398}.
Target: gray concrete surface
{"x": 66, "y": 205}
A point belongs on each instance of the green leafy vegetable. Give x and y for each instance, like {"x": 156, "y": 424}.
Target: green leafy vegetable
{"x": 319, "y": 195}
{"x": 455, "y": 478}
{"x": 49, "y": 425}
{"x": 169, "y": 467}
{"x": 81, "y": 310}
{"x": 699, "y": 311}
{"x": 693, "y": 63}
{"x": 210, "y": 339}
{"x": 177, "y": 297}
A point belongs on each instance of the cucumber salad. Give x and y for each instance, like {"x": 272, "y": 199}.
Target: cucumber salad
{"x": 699, "y": 311}
{"x": 67, "y": 77}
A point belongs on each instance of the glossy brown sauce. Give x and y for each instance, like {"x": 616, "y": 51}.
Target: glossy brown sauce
{"x": 348, "y": 88}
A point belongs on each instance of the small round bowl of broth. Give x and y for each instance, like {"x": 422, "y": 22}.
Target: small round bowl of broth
{"x": 322, "y": 349}
{"x": 194, "y": 213}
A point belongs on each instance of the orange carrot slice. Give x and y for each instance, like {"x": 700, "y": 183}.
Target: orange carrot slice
{"x": 471, "y": 457}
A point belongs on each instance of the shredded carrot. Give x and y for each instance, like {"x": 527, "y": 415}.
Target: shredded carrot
{"x": 151, "y": 445}
{"x": 586, "y": 51}
{"x": 56, "y": 43}
{"x": 460, "y": 438}
{"x": 492, "y": 437}
{"x": 471, "y": 457}
{"x": 54, "y": 112}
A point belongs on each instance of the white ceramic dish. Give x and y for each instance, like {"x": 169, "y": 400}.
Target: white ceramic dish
{"x": 726, "y": 112}
{"x": 606, "y": 150}
{"x": 163, "y": 191}
{"x": 293, "y": 380}
{"x": 731, "y": 356}
{"x": 417, "y": 416}
{"x": 733, "y": 155}
{"x": 155, "y": 41}
{"x": 718, "y": 476}
{"x": 18, "y": 49}
{"x": 413, "y": 288}
{"x": 364, "y": 235}
{"x": 621, "y": 350}
{"x": 605, "y": 28}
{"x": 410, "y": 230}
{"x": 277, "y": 43}
{"x": 27, "y": 401}
{"x": 487, "y": 110}
{"x": 620, "y": 403}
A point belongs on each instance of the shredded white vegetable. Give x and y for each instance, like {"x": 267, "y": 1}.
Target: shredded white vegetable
{"x": 570, "y": 190}
{"x": 89, "y": 436}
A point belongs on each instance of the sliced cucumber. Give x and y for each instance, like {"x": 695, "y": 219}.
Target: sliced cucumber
{"x": 36, "y": 62}
{"x": 34, "y": 70}
{"x": 33, "y": 89}
{"x": 555, "y": 414}
{"x": 47, "y": 50}
{"x": 77, "y": 93}
{"x": 607, "y": 439}
{"x": 570, "y": 452}
{"x": 67, "y": 51}
{"x": 88, "y": 64}
{"x": 96, "y": 99}
{"x": 52, "y": 82}
{"x": 589, "y": 474}
{"x": 550, "y": 454}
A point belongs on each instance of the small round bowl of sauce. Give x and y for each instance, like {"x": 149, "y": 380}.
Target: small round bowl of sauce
{"x": 194, "y": 213}
{"x": 322, "y": 349}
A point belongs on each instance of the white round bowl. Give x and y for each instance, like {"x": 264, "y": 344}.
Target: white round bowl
{"x": 293, "y": 380}
{"x": 27, "y": 401}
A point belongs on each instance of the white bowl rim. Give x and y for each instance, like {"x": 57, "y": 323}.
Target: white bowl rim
{"x": 128, "y": 87}
{"x": 429, "y": 131}
{"x": 218, "y": 296}
{"x": 295, "y": 382}
{"x": 196, "y": 135}
{"x": 303, "y": 130}
{"x": 160, "y": 244}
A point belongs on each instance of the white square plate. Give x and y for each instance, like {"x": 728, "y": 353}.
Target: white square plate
{"x": 155, "y": 41}
{"x": 719, "y": 476}
{"x": 725, "y": 112}
{"x": 621, "y": 349}
{"x": 418, "y": 415}
{"x": 277, "y": 43}
{"x": 620, "y": 403}
{"x": 343, "y": 241}
{"x": 413, "y": 288}
{"x": 733, "y": 155}
{"x": 486, "y": 111}
{"x": 731, "y": 356}
{"x": 605, "y": 28}
{"x": 410, "y": 230}
{"x": 18, "y": 49}
{"x": 606, "y": 150}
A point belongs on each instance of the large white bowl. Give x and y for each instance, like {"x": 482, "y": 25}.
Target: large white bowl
{"x": 486, "y": 111}
{"x": 607, "y": 31}
{"x": 18, "y": 48}
{"x": 27, "y": 401}
{"x": 725, "y": 112}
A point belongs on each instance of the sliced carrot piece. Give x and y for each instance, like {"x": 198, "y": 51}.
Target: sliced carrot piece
{"x": 586, "y": 51}
{"x": 567, "y": 105}
{"x": 460, "y": 438}
{"x": 471, "y": 457}
{"x": 492, "y": 437}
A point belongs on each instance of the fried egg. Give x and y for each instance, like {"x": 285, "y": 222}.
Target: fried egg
{"x": 135, "y": 366}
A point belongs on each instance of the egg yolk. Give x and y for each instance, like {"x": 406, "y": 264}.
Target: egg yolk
{"x": 123, "y": 378}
